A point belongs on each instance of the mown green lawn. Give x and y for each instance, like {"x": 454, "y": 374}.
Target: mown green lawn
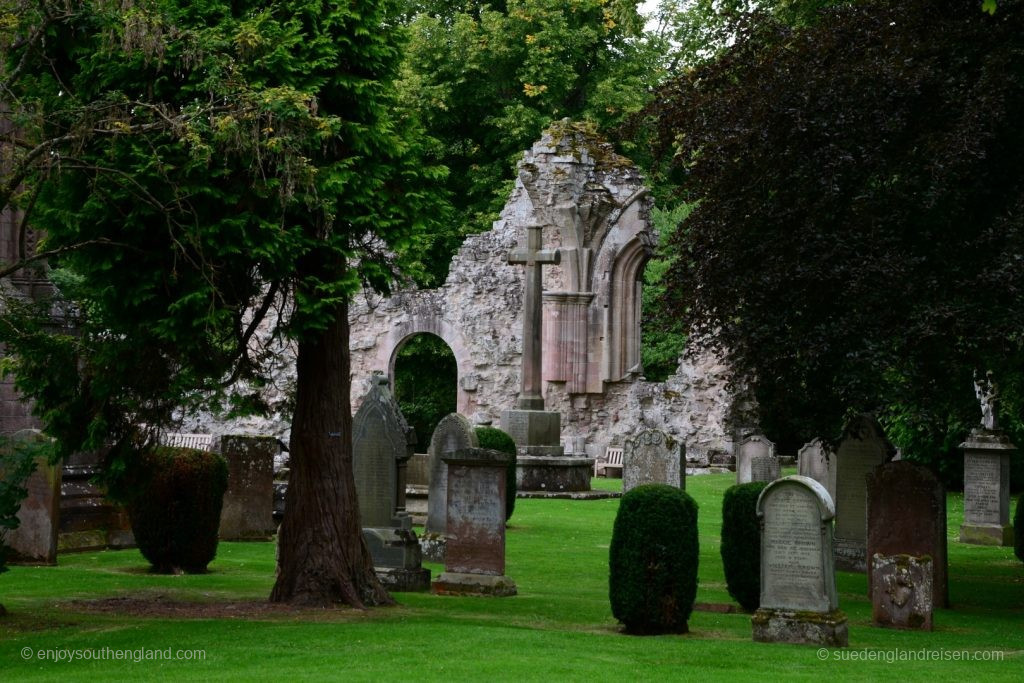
{"x": 559, "y": 627}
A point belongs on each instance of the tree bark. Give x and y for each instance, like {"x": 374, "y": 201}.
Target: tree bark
{"x": 322, "y": 558}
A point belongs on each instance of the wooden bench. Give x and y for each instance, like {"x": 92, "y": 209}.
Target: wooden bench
{"x": 202, "y": 442}
{"x": 611, "y": 460}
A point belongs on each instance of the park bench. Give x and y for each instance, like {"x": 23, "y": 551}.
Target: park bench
{"x": 611, "y": 460}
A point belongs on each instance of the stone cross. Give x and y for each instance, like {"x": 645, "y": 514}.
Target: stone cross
{"x": 533, "y": 257}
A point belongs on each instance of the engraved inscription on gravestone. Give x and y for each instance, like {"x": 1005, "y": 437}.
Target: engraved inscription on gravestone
{"x": 653, "y": 457}
{"x": 982, "y": 489}
{"x": 793, "y": 571}
{"x": 863, "y": 448}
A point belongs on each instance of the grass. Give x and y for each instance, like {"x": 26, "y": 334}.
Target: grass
{"x": 559, "y": 627}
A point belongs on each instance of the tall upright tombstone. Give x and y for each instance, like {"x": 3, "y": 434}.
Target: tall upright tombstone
{"x": 755, "y": 446}
{"x": 816, "y": 461}
{"x": 653, "y": 457}
{"x": 35, "y": 539}
{"x": 381, "y": 443}
{"x": 475, "y": 553}
{"x": 541, "y": 462}
{"x": 799, "y": 603}
{"x": 987, "y": 453}
{"x": 453, "y": 433}
{"x": 863, "y": 448}
{"x": 248, "y": 510}
{"x": 907, "y": 516}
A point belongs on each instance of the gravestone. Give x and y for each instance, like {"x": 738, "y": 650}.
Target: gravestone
{"x": 453, "y": 433}
{"x": 816, "y": 461}
{"x": 902, "y": 589}
{"x": 248, "y": 510}
{"x": 906, "y": 508}
{"x": 35, "y": 539}
{"x": 754, "y": 446}
{"x": 863, "y": 448}
{"x": 382, "y": 442}
{"x": 765, "y": 468}
{"x": 653, "y": 457}
{"x": 799, "y": 603}
{"x": 88, "y": 519}
{"x": 475, "y": 540}
{"x": 987, "y": 456}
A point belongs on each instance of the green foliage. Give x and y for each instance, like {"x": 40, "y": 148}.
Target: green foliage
{"x": 1018, "y": 530}
{"x": 858, "y": 239}
{"x": 741, "y": 543}
{"x": 487, "y": 79}
{"x": 653, "y": 560}
{"x": 499, "y": 440}
{"x": 425, "y": 384}
{"x": 175, "y": 507}
{"x": 17, "y": 462}
{"x": 660, "y": 350}
{"x": 207, "y": 163}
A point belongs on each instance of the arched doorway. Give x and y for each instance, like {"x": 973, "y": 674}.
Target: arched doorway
{"x": 426, "y": 383}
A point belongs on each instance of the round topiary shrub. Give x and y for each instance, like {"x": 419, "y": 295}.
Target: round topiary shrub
{"x": 653, "y": 560}
{"x": 498, "y": 440}
{"x": 175, "y": 505}
{"x": 741, "y": 543}
{"x": 1018, "y": 530}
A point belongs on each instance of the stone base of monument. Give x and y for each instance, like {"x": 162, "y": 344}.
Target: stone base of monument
{"x": 850, "y": 555}
{"x": 433, "y": 546}
{"x": 400, "y": 580}
{"x": 552, "y": 473}
{"x": 987, "y": 534}
{"x": 455, "y": 583}
{"x": 810, "y": 628}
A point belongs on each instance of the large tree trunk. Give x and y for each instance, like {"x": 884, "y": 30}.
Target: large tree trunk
{"x": 322, "y": 558}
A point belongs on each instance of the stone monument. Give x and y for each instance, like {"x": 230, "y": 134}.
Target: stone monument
{"x": 35, "y": 539}
{"x": 453, "y": 433}
{"x": 541, "y": 464}
{"x": 987, "y": 453}
{"x": 798, "y": 582}
{"x": 816, "y": 461}
{"x": 863, "y": 448}
{"x": 248, "y": 511}
{"x": 382, "y": 442}
{"x": 901, "y": 591}
{"x": 475, "y": 552}
{"x": 755, "y": 446}
{"x": 906, "y": 508}
{"x": 653, "y": 457}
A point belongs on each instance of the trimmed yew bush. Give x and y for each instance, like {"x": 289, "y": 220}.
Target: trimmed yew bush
{"x": 741, "y": 543}
{"x": 499, "y": 440}
{"x": 175, "y": 506}
{"x": 653, "y": 560}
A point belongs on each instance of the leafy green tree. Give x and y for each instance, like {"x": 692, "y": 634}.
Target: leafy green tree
{"x": 858, "y": 240}
{"x": 206, "y": 164}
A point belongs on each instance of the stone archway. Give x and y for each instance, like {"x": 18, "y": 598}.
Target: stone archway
{"x": 425, "y": 383}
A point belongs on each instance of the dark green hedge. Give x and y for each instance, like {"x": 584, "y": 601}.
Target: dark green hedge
{"x": 741, "y": 543}
{"x": 498, "y": 440}
{"x": 175, "y": 507}
{"x": 653, "y": 560}
{"x": 1018, "y": 530}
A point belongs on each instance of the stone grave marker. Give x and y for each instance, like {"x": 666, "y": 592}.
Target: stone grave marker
{"x": 863, "y": 448}
{"x": 906, "y": 508}
{"x": 799, "y": 603}
{"x": 901, "y": 588}
{"x": 35, "y": 539}
{"x": 382, "y": 442}
{"x": 987, "y": 488}
{"x": 754, "y": 446}
{"x": 653, "y": 457}
{"x": 248, "y": 511}
{"x": 765, "y": 468}
{"x": 453, "y": 433}
{"x": 816, "y": 461}
{"x": 475, "y": 541}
